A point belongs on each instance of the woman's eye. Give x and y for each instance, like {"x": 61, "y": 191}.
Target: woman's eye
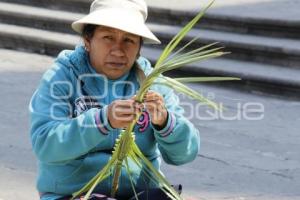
{"x": 129, "y": 40}
{"x": 108, "y": 37}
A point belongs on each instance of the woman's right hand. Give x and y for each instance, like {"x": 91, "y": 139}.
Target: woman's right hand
{"x": 121, "y": 113}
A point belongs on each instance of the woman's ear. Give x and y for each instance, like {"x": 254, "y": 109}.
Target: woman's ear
{"x": 87, "y": 45}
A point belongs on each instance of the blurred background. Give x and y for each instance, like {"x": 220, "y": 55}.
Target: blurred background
{"x": 251, "y": 150}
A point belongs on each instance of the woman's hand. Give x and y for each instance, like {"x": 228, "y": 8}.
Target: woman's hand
{"x": 155, "y": 106}
{"x": 122, "y": 112}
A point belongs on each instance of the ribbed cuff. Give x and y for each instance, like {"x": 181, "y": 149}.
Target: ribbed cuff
{"x": 102, "y": 121}
{"x": 167, "y": 130}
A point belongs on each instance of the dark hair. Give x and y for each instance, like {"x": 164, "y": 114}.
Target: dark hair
{"x": 88, "y": 31}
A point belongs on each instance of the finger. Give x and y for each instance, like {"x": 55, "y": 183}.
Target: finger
{"x": 118, "y": 111}
{"x": 133, "y": 97}
{"x": 158, "y": 104}
{"x": 139, "y": 106}
{"x": 133, "y": 106}
{"x": 125, "y": 118}
{"x": 124, "y": 103}
{"x": 153, "y": 109}
{"x": 152, "y": 96}
{"x": 155, "y": 106}
{"x": 150, "y": 105}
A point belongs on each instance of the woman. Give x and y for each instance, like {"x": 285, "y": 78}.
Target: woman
{"x": 87, "y": 97}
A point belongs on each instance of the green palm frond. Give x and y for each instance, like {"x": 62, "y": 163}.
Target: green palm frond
{"x": 205, "y": 79}
{"x": 126, "y": 149}
{"x": 130, "y": 178}
{"x": 180, "y": 35}
{"x": 179, "y": 87}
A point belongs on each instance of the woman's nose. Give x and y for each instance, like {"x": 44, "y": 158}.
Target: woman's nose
{"x": 118, "y": 50}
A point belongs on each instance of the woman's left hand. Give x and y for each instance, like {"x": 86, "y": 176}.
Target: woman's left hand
{"x": 155, "y": 106}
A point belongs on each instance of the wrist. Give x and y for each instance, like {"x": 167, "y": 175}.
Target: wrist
{"x": 163, "y": 122}
{"x": 168, "y": 129}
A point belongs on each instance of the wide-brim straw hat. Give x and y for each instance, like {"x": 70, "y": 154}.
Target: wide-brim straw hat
{"x": 126, "y": 15}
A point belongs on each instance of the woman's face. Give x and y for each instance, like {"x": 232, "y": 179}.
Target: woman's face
{"x": 112, "y": 51}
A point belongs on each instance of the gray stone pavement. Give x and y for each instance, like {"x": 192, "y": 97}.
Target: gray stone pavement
{"x": 286, "y": 10}
{"x": 240, "y": 159}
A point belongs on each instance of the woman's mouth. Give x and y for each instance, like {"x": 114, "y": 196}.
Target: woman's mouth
{"x": 116, "y": 64}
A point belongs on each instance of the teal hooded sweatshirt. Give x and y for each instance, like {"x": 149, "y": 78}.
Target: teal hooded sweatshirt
{"x": 71, "y": 135}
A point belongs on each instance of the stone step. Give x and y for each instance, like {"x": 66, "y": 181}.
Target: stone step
{"x": 268, "y": 50}
{"x": 271, "y": 78}
{"x": 278, "y": 51}
{"x": 36, "y": 17}
{"x": 244, "y": 25}
{"x": 35, "y": 40}
{"x": 274, "y": 79}
{"x": 82, "y": 6}
{"x": 229, "y": 23}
